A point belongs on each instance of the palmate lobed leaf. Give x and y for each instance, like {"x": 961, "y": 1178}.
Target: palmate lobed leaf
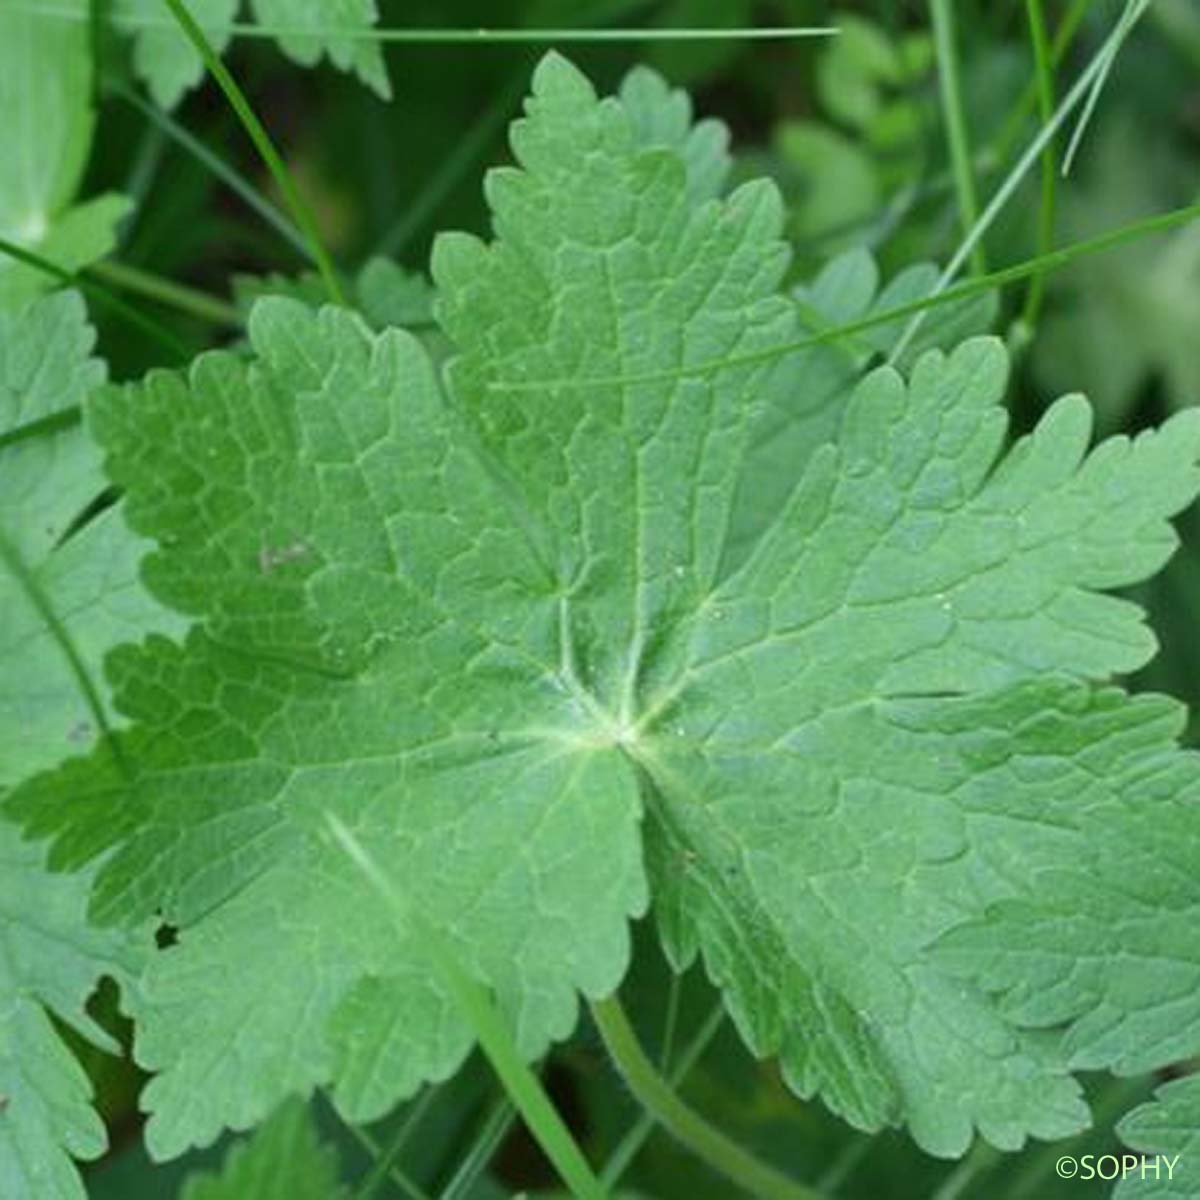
{"x": 542, "y": 640}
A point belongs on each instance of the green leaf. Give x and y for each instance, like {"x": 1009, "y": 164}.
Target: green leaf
{"x": 283, "y": 1160}
{"x": 852, "y": 73}
{"x": 385, "y": 293}
{"x": 838, "y": 183}
{"x": 847, "y": 289}
{"x": 308, "y": 288}
{"x": 52, "y": 958}
{"x": 168, "y": 62}
{"x": 332, "y": 27}
{"x": 1105, "y": 944}
{"x": 46, "y": 372}
{"x": 1063, "y": 954}
{"x": 48, "y": 476}
{"x": 1166, "y": 1132}
{"x": 906, "y": 566}
{"x": 538, "y": 634}
{"x": 162, "y": 54}
{"x": 288, "y": 558}
{"x": 45, "y": 92}
{"x": 389, "y": 295}
{"x": 662, "y": 116}
{"x": 50, "y": 963}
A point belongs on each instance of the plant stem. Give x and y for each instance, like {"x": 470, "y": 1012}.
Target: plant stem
{"x": 143, "y": 170}
{"x": 165, "y": 291}
{"x": 62, "y": 418}
{"x": 658, "y": 1098}
{"x": 633, "y": 1141}
{"x": 262, "y": 143}
{"x": 537, "y": 37}
{"x": 1050, "y": 261}
{"x": 1044, "y": 79}
{"x": 523, "y": 1086}
{"x": 950, "y": 89}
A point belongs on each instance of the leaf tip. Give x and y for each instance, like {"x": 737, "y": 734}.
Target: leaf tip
{"x": 556, "y": 79}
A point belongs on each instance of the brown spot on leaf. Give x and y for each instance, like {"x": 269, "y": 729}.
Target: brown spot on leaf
{"x": 270, "y": 557}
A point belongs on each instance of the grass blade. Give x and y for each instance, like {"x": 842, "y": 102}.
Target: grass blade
{"x": 1134, "y": 10}
{"x": 1064, "y": 35}
{"x": 409, "y": 1187}
{"x": 1061, "y": 257}
{"x": 389, "y": 1156}
{"x": 451, "y": 36}
{"x": 442, "y": 182}
{"x": 1083, "y": 86}
{"x": 487, "y": 1142}
{"x": 950, "y": 89}
{"x": 1044, "y": 78}
{"x": 166, "y": 291}
{"x": 232, "y": 179}
{"x": 262, "y": 143}
{"x": 521, "y": 1084}
{"x": 148, "y": 325}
